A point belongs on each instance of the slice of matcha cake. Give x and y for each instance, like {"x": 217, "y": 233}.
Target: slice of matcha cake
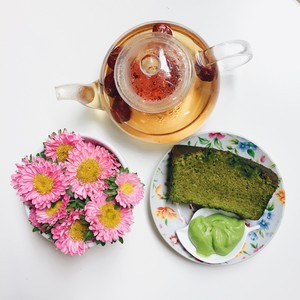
{"x": 220, "y": 179}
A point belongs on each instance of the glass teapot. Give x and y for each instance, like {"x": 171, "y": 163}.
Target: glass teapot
{"x": 159, "y": 81}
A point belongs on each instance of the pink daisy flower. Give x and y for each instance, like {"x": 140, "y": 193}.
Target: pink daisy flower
{"x": 57, "y": 147}
{"x": 130, "y": 189}
{"x": 39, "y": 182}
{"x": 32, "y": 219}
{"x": 87, "y": 167}
{"x": 69, "y": 235}
{"x": 56, "y": 212}
{"x": 107, "y": 221}
{"x": 15, "y": 178}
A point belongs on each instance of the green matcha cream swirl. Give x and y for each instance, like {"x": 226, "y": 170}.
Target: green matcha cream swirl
{"x": 215, "y": 234}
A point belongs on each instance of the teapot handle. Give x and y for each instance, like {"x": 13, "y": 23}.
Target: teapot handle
{"x": 227, "y": 56}
{"x": 87, "y": 94}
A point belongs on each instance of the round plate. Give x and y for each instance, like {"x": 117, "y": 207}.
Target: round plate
{"x": 169, "y": 216}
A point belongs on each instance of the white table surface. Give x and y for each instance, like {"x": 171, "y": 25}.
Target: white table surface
{"x": 48, "y": 43}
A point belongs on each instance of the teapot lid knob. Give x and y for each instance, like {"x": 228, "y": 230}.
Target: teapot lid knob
{"x": 153, "y": 72}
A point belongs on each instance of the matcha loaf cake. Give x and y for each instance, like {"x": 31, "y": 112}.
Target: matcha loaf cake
{"x": 220, "y": 179}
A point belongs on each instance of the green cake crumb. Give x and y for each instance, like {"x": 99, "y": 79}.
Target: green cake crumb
{"x": 220, "y": 179}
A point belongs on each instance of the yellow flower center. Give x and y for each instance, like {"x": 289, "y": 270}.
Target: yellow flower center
{"x": 53, "y": 210}
{"x": 126, "y": 188}
{"x": 110, "y": 215}
{"x": 43, "y": 184}
{"x": 78, "y": 230}
{"x": 62, "y": 152}
{"x": 88, "y": 171}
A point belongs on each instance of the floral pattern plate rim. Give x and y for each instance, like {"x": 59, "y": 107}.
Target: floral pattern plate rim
{"x": 169, "y": 217}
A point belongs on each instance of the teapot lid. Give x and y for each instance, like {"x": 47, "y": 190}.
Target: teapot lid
{"x": 153, "y": 72}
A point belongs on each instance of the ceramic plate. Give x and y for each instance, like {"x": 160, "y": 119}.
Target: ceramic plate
{"x": 169, "y": 216}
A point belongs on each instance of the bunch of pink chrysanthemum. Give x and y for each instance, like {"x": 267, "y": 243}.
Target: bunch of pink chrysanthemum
{"x": 77, "y": 192}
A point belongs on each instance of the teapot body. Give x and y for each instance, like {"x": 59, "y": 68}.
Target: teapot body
{"x": 173, "y": 124}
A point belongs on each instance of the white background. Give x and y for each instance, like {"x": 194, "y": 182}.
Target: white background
{"x": 48, "y": 43}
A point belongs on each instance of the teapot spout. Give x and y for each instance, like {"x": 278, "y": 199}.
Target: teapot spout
{"x": 87, "y": 95}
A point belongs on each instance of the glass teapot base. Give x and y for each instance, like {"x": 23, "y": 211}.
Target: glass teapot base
{"x": 159, "y": 129}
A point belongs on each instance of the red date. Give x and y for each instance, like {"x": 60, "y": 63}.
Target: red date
{"x": 206, "y": 73}
{"x": 120, "y": 110}
{"x": 163, "y": 28}
{"x": 111, "y": 61}
{"x": 110, "y": 85}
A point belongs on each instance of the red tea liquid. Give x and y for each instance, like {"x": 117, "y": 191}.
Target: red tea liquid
{"x": 158, "y": 85}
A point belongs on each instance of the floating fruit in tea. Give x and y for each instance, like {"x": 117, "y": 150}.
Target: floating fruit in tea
{"x": 109, "y": 85}
{"x": 111, "y": 61}
{"x": 120, "y": 110}
{"x": 205, "y": 73}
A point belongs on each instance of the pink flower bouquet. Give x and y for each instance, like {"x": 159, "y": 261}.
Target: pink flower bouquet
{"x": 77, "y": 192}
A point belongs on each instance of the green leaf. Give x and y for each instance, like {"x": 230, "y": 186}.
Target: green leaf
{"x": 218, "y": 144}
{"x": 203, "y": 141}
{"x": 83, "y": 221}
{"x": 166, "y": 222}
{"x": 88, "y": 235}
{"x": 70, "y": 193}
{"x": 100, "y": 242}
{"x": 110, "y": 198}
{"x": 270, "y": 207}
{"x": 110, "y": 180}
{"x": 234, "y": 141}
{"x": 121, "y": 240}
{"x": 77, "y": 203}
{"x": 80, "y": 204}
{"x": 35, "y": 229}
{"x": 87, "y": 199}
{"x": 260, "y": 232}
{"x": 112, "y": 186}
{"x": 254, "y": 245}
{"x": 251, "y": 152}
{"x": 42, "y": 154}
{"x": 110, "y": 192}
{"x": 70, "y": 205}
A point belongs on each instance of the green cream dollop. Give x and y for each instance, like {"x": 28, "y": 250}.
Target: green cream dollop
{"x": 215, "y": 234}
